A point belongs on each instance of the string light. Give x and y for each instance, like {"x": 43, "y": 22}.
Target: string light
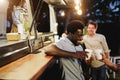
{"x": 77, "y": 2}
{"x": 79, "y": 12}
{"x": 62, "y": 13}
{"x": 77, "y": 7}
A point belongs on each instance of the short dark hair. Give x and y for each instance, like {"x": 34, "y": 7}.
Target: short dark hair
{"x": 74, "y": 25}
{"x": 93, "y": 23}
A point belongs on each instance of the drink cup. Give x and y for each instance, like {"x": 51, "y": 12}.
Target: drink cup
{"x": 89, "y": 54}
{"x": 98, "y": 53}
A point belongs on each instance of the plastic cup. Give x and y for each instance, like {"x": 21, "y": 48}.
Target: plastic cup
{"x": 98, "y": 53}
{"x": 89, "y": 54}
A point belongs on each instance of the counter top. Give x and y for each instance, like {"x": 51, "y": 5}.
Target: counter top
{"x": 29, "y": 67}
{"x": 5, "y": 42}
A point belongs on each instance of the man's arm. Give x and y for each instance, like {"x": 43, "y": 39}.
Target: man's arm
{"x": 107, "y": 55}
{"x": 111, "y": 65}
{"x": 105, "y": 47}
{"x": 54, "y": 51}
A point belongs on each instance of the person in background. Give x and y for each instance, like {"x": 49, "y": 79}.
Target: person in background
{"x": 18, "y": 16}
{"x": 115, "y": 67}
{"x": 69, "y": 51}
{"x": 93, "y": 41}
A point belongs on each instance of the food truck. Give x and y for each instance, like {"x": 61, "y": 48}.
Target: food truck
{"x": 26, "y": 34}
{"x": 22, "y": 38}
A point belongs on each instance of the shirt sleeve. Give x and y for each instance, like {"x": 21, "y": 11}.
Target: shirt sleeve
{"x": 59, "y": 44}
{"x": 105, "y": 45}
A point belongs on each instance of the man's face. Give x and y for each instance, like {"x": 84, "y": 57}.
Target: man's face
{"x": 91, "y": 29}
{"x": 77, "y": 37}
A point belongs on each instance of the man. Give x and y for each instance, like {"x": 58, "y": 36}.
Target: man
{"x": 72, "y": 51}
{"x": 95, "y": 41}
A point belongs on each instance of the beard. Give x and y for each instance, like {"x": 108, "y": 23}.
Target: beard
{"x": 74, "y": 42}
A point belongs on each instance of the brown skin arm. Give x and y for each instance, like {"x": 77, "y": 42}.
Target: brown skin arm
{"x": 107, "y": 55}
{"x": 52, "y": 50}
{"x": 109, "y": 63}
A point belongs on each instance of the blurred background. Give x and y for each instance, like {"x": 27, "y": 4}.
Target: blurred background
{"x": 105, "y": 12}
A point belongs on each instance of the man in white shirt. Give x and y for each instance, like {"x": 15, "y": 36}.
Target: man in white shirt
{"x": 69, "y": 60}
{"x": 96, "y": 41}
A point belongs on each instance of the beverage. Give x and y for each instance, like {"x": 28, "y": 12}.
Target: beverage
{"x": 98, "y": 53}
{"x": 89, "y": 54}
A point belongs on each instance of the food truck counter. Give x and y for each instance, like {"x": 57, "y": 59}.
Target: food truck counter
{"x": 29, "y": 67}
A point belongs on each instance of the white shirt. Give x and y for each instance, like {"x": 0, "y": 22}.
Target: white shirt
{"x": 97, "y": 41}
{"x": 71, "y": 68}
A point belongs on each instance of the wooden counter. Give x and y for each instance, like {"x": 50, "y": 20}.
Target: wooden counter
{"x": 29, "y": 67}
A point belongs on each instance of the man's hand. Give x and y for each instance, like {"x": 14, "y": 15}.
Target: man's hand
{"x": 81, "y": 54}
{"x": 118, "y": 65}
{"x": 103, "y": 57}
